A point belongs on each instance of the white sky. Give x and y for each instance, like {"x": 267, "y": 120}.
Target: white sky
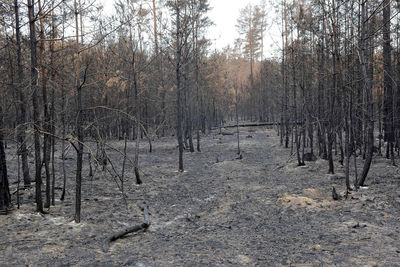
{"x": 224, "y": 14}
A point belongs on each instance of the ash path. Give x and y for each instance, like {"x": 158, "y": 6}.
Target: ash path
{"x": 258, "y": 211}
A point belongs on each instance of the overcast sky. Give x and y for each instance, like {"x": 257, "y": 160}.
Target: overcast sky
{"x": 224, "y": 14}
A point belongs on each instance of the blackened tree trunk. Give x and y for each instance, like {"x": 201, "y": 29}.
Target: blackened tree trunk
{"x": 5, "y": 197}
{"x": 188, "y": 109}
{"x": 321, "y": 93}
{"x": 368, "y": 89}
{"x": 285, "y": 79}
{"x": 63, "y": 129}
{"x": 79, "y": 121}
{"x": 295, "y": 119}
{"x": 53, "y": 108}
{"x": 21, "y": 112}
{"x": 35, "y": 104}
{"x": 46, "y": 125}
{"x": 155, "y": 28}
{"x": 387, "y": 81}
{"x": 347, "y": 145}
{"x": 283, "y": 100}
{"x": 196, "y": 77}
{"x": 332, "y": 95}
{"x": 138, "y": 117}
{"x": 178, "y": 87}
{"x": 196, "y": 59}
{"x": 237, "y": 119}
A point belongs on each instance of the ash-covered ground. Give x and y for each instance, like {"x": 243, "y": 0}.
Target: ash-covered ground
{"x": 261, "y": 210}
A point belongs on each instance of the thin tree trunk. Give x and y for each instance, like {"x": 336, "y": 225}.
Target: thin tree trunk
{"x": 63, "y": 143}
{"x": 283, "y": 104}
{"x": 178, "y": 88}
{"x": 332, "y": 96}
{"x": 5, "y": 197}
{"x": 79, "y": 121}
{"x": 21, "y": 114}
{"x": 368, "y": 89}
{"x": 138, "y": 116}
{"x": 188, "y": 109}
{"x": 196, "y": 77}
{"x": 347, "y": 147}
{"x": 47, "y": 129}
{"x": 286, "y": 86}
{"x": 155, "y": 28}
{"x": 63, "y": 126}
{"x": 53, "y": 108}
{"x": 237, "y": 120}
{"x": 387, "y": 80}
{"x": 35, "y": 104}
{"x": 296, "y": 133}
{"x": 124, "y": 162}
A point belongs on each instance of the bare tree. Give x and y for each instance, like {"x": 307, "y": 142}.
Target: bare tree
{"x": 35, "y": 102}
{"x": 79, "y": 120}
{"x": 388, "y": 82}
{"x": 21, "y": 113}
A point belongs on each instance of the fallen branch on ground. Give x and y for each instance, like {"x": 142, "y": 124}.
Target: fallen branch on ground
{"x": 131, "y": 229}
{"x": 227, "y": 133}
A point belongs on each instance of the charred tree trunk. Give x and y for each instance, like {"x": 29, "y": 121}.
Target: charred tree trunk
{"x": 63, "y": 130}
{"x": 388, "y": 82}
{"x": 332, "y": 95}
{"x": 196, "y": 77}
{"x": 21, "y": 113}
{"x": 286, "y": 86}
{"x": 138, "y": 117}
{"x": 52, "y": 125}
{"x": 321, "y": 98}
{"x": 368, "y": 90}
{"x": 188, "y": 109}
{"x": 237, "y": 119}
{"x": 5, "y": 197}
{"x": 79, "y": 121}
{"x": 35, "y": 104}
{"x": 178, "y": 88}
{"x": 46, "y": 124}
{"x": 296, "y": 132}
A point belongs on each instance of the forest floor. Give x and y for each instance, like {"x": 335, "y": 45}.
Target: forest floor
{"x": 261, "y": 210}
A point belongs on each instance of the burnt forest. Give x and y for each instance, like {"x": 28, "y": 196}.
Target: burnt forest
{"x": 199, "y": 133}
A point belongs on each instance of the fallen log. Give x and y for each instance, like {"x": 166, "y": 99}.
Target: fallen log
{"x": 227, "y": 133}
{"x": 253, "y": 124}
{"x": 132, "y": 229}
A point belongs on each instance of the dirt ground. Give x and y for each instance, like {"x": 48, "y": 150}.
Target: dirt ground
{"x": 261, "y": 210}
